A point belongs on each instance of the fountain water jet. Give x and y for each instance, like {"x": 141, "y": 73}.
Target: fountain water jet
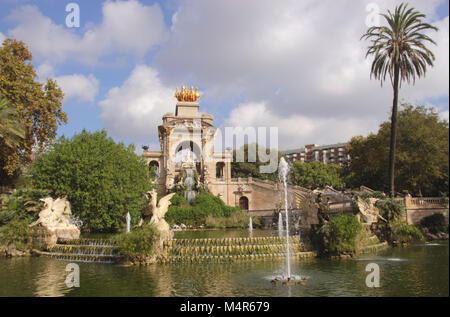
{"x": 283, "y": 170}
{"x": 280, "y": 224}
{"x": 128, "y": 218}
{"x": 189, "y": 194}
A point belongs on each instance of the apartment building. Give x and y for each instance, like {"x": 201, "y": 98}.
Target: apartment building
{"x": 328, "y": 154}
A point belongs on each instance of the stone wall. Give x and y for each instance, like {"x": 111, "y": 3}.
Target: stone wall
{"x": 420, "y": 207}
{"x": 414, "y": 216}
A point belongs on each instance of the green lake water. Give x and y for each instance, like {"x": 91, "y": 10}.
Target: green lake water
{"x": 417, "y": 270}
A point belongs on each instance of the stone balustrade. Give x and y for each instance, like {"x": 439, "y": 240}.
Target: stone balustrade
{"x": 426, "y": 202}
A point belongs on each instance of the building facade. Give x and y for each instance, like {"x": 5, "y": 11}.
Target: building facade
{"x": 187, "y": 143}
{"x": 327, "y": 154}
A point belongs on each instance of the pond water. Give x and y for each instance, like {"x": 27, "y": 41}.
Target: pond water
{"x": 417, "y": 270}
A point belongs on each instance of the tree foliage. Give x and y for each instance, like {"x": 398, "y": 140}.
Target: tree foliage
{"x": 317, "y": 175}
{"x": 435, "y": 223}
{"x": 250, "y": 167}
{"x": 102, "y": 180}
{"x": 39, "y": 106}
{"x": 12, "y": 131}
{"x": 399, "y": 50}
{"x": 422, "y": 154}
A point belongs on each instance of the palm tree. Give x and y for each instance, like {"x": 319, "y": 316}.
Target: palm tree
{"x": 12, "y": 131}
{"x": 399, "y": 51}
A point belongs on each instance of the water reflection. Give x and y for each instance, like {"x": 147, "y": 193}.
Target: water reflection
{"x": 50, "y": 279}
{"x": 412, "y": 271}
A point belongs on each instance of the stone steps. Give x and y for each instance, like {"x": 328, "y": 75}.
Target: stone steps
{"x": 83, "y": 249}
{"x": 374, "y": 248}
{"x": 86, "y": 258}
{"x": 232, "y": 250}
{"x": 228, "y": 241}
{"x": 88, "y": 242}
{"x": 234, "y": 258}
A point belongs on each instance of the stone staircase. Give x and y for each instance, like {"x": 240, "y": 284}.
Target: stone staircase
{"x": 83, "y": 250}
{"x": 226, "y": 250}
{"x": 229, "y": 250}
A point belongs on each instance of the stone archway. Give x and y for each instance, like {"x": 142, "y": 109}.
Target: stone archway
{"x": 187, "y": 151}
{"x": 220, "y": 168}
{"x": 153, "y": 167}
{"x": 243, "y": 203}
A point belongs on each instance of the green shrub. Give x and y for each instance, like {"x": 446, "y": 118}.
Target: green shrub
{"x": 340, "y": 234}
{"x": 403, "y": 232}
{"x": 365, "y": 196}
{"x": 24, "y": 204}
{"x": 178, "y": 200}
{"x": 17, "y": 233}
{"x": 138, "y": 243}
{"x": 237, "y": 220}
{"x": 103, "y": 180}
{"x": 390, "y": 209}
{"x": 435, "y": 223}
{"x": 203, "y": 205}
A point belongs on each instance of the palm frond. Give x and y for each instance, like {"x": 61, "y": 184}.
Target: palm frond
{"x": 400, "y": 43}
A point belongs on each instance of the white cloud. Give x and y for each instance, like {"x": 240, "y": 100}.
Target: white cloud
{"x": 135, "y": 109}
{"x": 305, "y": 59}
{"x": 2, "y": 38}
{"x": 44, "y": 71}
{"x": 128, "y": 28}
{"x": 297, "y": 130}
{"x": 436, "y": 82}
{"x": 85, "y": 88}
{"x": 444, "y": 115}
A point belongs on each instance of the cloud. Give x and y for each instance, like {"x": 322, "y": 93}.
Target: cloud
{"x": 135, "y": 109}
{"x": 444, "y": 115}
{"x": 297, "y": 130}
{"x": 304, "y": 59}
{"x": 436, "y": 82}
{"x": 44, "y": 71}
{"x": 127, "y": 28}
{"x": 2, "y": 38}
{"x": 85, "y": 88}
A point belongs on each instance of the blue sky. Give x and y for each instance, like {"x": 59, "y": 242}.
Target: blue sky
{"x": 298, "y": 66}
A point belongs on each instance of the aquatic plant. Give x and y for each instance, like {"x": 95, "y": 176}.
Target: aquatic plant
{"x": 404, "y": 233}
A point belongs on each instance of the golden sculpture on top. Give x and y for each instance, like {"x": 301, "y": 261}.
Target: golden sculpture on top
{"x": 186, "y": 94}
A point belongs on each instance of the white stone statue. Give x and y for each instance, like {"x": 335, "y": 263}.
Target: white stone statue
{"x": 158, "y": 212}
{"x": 368, "y": 213}
{"x": 55, "y": 217}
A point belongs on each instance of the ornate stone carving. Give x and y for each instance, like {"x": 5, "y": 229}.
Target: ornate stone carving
{"x": 157, "y": 213}
{"x": 56, "y": 218}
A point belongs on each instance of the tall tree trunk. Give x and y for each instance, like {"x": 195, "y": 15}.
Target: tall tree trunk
{"x": 393, "y": 132}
